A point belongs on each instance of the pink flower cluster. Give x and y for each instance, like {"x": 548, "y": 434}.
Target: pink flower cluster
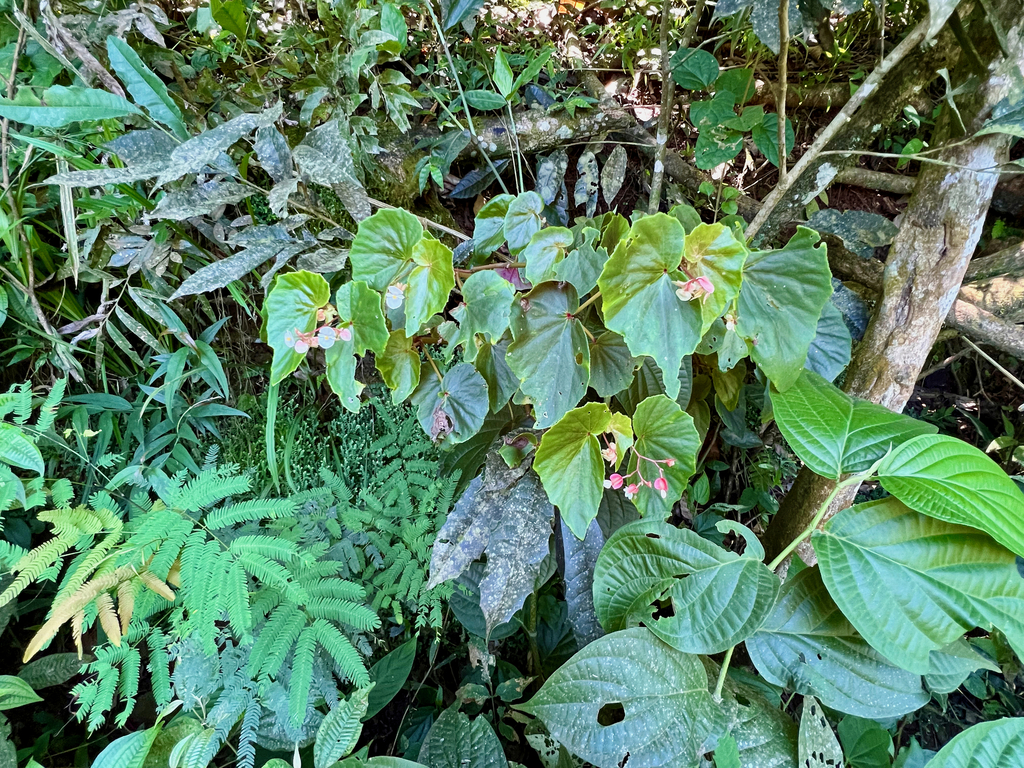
{"x": 694, "y": 288}
{"x": 631, "y": 486}
{"x": 323, "y": 337}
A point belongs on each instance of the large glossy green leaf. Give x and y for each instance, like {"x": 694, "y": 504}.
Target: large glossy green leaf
{"x": 666, "y": 715}
{"x": 995, "y": 744}
{"x": 145, "y": 87}
{"x": 832, "y": 433}
{"x": 523, "y": 220}
{"x": 455, "y": 741}
{"x": 570, "y": 465}
{"x": 430, "y": 281}
{"x": 231, "y": 15}
{"x": 399, "y": 365}
{"x": 713, "y": 251}
{"x": 783, "y": 293}
{"x": 452, "y": 410}
{"x": 485, "y": 309}
{"x": 808, "y": 646}
{"x": 291, "y": 306}
{"x": 639, "y": 299}
{"x": 389, "y": 675}
{"x": 697, "y": 597}
{"x": 338, "y": 733}
{"x": 18, "y": 451}
{"x": 544, "y": 253}
{"x": 359, "y": 310}
{"x": 945, "y": 477}
{"x": 549, "y": 352}
{"x": 911, "y": 584}
{"x": 66, "y": 105}
{"x": 384, "y": 244}
{"x": 664, "y": 431}
{"x": 582, "y": 266}
{"x": 15, "y": 692}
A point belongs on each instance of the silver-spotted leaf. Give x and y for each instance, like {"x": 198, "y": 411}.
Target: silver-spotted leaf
{"x": 580, "y": 558}
{"x": 613, "y": 174}
{"x": 818, "y": 746}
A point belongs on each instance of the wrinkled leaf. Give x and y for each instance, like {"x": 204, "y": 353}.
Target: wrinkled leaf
{"x": 452, "y": 410}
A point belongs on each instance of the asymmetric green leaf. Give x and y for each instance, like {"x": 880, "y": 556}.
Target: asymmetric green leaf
{"x": 661, "y": 695}
{"x": 712, "y": 250}
{"x": 489, "y": 227}
{"x": 399, "y": 366}
{"x": 388, "y": 676}
{"x": 452, "y": 410}
{"x": 430, "y": 281}
{"x": 485, "y": 309}
{"x": 384, "y": 244}
{"x": 783, "y": 293}
{"x": 523, "y": 220}
{"x": 697, "y": 597}
{"x": 911, "y": 584}
{"x": 946, "y": 478}
{"x": 291, "y": 306}
{"x": 808, "y": 646}
{"x": 570, "y": 465}
{"x": 549, "y": 352}
{"x": 544, "y": 252}
{"x": 611, "y": 364}
{"x": 15, "y": 692}
{"x": 663, "y": 431}
{"x": 359, "y": 310}
{"x": 639, "y": 301}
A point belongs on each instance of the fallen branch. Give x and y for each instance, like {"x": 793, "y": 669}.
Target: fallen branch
{"x": 877, "y": 180}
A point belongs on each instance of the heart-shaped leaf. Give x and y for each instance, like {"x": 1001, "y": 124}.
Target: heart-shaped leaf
{"x": 399, "y": 365}
{"x": 835, "y": 435}
{"x": 452, "y": 410}
{"x": 570, "y": 465}
{"x": 489, "y": 227}
{"x": 523, "y": 220}
{"x": 358, "y": 308}
{"x": 485, "y": 309}
{"x": 946, "y": 478}
{"x": 829, "y": 353}
{"x": 665, "y": 435}
{"x": 783, "y": 293}
{"x": 384, "y": 244}
{"x": 697, "y": 597}
{"x": 430, "y": 281}
{"x": 549, "y": 354}
{"x": 544, "y": 252}
{"x": 655, "y": 698}
{"x": 501, "y": 382}
{"x": 639, "y": 299}
{"x": 291, "y": 306}
{"x": 911, "y": 584}
{"x": 611, "y": 364}
{"x": 808, "y": 646}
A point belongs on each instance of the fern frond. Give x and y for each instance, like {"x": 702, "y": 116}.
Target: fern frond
{"x": 48, "y": 410}
{"x": 247, "y": 736}
{"x": 271, "y": 572}
{"x": 252, "y": 511}
{"x": 265, "y": 546}
{"x": 236, "y": 599}
{"x": 208, "y": 488}
{"x": 343, "y": 612}
{"x": 108, "y": 618}
{"x": 302, "y": 676}
{"x": 340, "y": 648}
{"x": 159, "y": 667}
{"x": 276, "y": 638}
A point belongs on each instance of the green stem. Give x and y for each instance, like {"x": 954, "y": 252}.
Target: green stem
{"x": 588, "y": 302}
{"x": 805, "y": 534}
{"x": 722, "y": 672}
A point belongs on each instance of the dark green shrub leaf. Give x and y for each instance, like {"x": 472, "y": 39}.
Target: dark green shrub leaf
{"x": 389, "y": 675}
{"x": 454, "y": 741}
{"x": 694, "y": 69}
{"x": 452, "y": 410}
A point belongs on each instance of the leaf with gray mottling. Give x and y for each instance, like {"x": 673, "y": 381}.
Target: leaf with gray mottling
{"x": 53, "y": 669}
{"x": 550, "y": 174}
{"x": 860, "y": 231}
{"x": 765, "y": 735}
{"x": 818, "y": 746}
{"x": 279, "y": 194}
{"x": 205, "y": 149}
{"x": 580, "y": 558}
{"x": 103, "y": 176}
{"x": 323, "y": 260}
{"x": 325, "y": 157}
{"x": 512, "y": 526}
{"x": 273, "y": 152}
{"x": 614, "y": 174}
{"x": 234, "y": 267}
{"x": 199, "y": 199}
{"x": 139, "y": 147}
{"x": 587, "y": 183}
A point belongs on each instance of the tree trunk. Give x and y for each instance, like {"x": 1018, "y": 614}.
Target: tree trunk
{"x": 926, "y": 264}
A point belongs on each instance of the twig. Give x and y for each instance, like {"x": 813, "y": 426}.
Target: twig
{"x": 424, "y": 221}
{"x": 997, "y": 366}
{"x": 5, "y": 124}
{"x": 588, "y": 302}
{"x": 430, "y": 359}
{"x": 668, "y": 90}
{"x": 870, "y": 85}
{"x": 780, "y": 102}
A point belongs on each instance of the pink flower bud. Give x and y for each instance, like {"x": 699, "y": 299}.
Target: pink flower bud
{"x": 670, "y": 462}
{"x": 301, "y": 347}
{"x": 696, "y": 288}
{"x": 631, "y": 490}
{"x": 609, "y": 454}
{"x": 661, "y": 484}
{"x": 345, "y": 334}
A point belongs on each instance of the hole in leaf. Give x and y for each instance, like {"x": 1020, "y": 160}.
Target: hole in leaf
{"x": 653, "y": 536}
{"x": 611, "y": 713}
{"x": 664, "y": 609}
{"x": 681, "y": 576}
{"x": 743, "y": 701}
{"x": 579, "y": 358}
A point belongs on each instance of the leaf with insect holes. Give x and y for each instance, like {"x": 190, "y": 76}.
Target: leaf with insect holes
{"x": 570, "y": 465}
{"x": 694, "y": 69}
{"x": 817, "y": 746}
{"x": 454, "y": 409}
{"x": 639, "y": 300}
{"x": 551, "y": 175}
{"x": 549, "y": 352}
{"x": 359, "y": 311}
{"x": 658, "y": 698}
{"x": 694, "y": 595}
